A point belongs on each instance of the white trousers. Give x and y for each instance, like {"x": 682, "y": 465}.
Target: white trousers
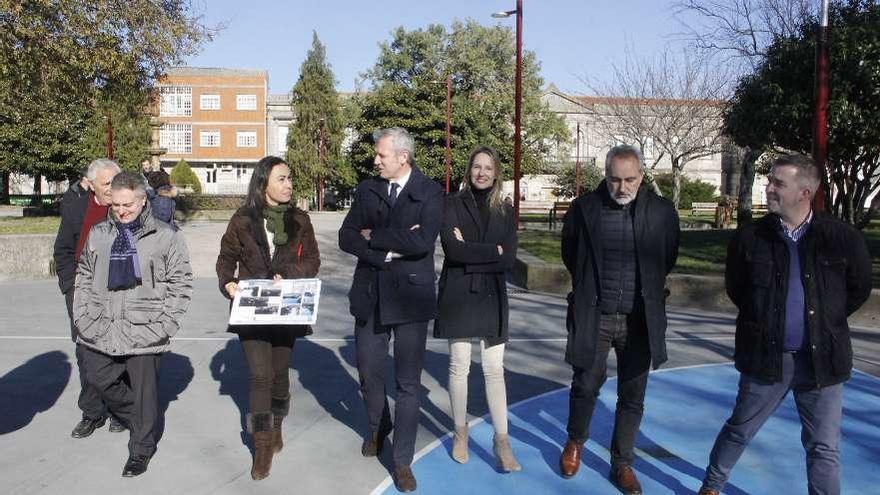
{"x": 492, "y": 359}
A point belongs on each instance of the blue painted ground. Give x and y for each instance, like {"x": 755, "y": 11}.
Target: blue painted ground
{"x": 684, "y": 410}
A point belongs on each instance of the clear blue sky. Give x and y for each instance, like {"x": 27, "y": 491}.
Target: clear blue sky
{"x": 572, "y": 38}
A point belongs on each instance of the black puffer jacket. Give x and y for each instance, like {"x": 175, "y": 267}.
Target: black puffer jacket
{"x": 836, "y": 271}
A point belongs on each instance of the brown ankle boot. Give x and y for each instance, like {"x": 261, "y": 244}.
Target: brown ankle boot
{"x": 260, "y": 426}
{"x": 280, "y": 408}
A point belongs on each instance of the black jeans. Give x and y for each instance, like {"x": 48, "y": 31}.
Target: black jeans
{"x": 268, "y": 358}
{"x": 628, "y": 335}
{"x": 371, "y": 342}
{"x": 129, "y": 385}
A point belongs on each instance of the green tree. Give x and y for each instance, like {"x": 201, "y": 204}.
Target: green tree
{"x": 131, "y": 133}
{"x": 772, "y": 108}
{"x": 182, "y": 175}
{"x": 60, "y": 59}
{"x": 692, "y": 190}
{"x": 408, "y": 90}
{"x": 317, "y": 121}
{"x": 566, "y": 179}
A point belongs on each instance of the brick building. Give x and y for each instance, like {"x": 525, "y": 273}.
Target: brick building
{"x": 215, "y": 119}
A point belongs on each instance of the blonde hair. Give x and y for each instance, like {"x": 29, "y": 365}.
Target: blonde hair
{"x": 495, "y": 200}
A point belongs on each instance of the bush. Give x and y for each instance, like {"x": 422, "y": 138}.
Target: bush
{"x": 591, "y": 176}
{"x": 692, "y": 190}
{"x": 182, "y": 175}
{"x": 201, "y": 202}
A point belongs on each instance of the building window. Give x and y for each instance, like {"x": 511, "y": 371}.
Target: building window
{"x": 176, "y": 138}
{"x": 246, "y": 139}
{"x": 209, "y": 139}
{"x": 209, "y": 102}
{"x": 246, "y": 102}
{"x": 282, "y": 139}
{"x": 175, "y": 101}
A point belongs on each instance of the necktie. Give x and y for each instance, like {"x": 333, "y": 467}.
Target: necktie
{"x": 392, "y": 196}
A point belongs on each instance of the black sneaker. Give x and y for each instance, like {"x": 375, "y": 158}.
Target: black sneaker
{"x": 136, "y": 465}
{"x": 87, "y": 426}
{"x": 116, "y": 425}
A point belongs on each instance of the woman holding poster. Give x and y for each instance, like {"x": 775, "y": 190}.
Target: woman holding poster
{"x": 267, "y": 238}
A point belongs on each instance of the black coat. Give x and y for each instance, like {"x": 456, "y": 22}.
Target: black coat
{"x": 655, "y": 224}
{"x": 836, "y": 273}
{"x": 73, "y": 212}
{"x": 473, "y": 285}
{"x": 403, "y": 288}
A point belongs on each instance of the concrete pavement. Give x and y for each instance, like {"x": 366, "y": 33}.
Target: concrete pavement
{"x": 204, "y": 388}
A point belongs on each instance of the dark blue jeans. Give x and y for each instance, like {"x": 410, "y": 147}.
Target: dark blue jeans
{"x": 819, "y": 409}
{"x": 628, "y": 335}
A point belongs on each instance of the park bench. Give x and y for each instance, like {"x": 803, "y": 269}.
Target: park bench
{"x": 560, "y": 208}
{"x": 703, "y": 208}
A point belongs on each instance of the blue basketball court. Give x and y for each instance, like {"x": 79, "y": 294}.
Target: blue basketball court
{"x": 684, "y": 410}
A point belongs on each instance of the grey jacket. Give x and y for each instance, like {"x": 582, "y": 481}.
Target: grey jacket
{"x": 143, "y": 319}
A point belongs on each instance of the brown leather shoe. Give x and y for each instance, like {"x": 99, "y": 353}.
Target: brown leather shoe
{"x": 373, "y": 444}
{"x": 570, "y": 460}
{"x": 707, "y": 491}
{"x": 624, "y": 478}
{"x": 404, "y": 480}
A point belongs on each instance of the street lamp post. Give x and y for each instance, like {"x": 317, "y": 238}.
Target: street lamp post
{"x": 517, "y": 112}
{"x": 820, "y": 114}
{"x": 109, "y": 136}
{"x": 448, "y": 130}
{"x": 577, "y": 163}
{"x": 322, "y": 157}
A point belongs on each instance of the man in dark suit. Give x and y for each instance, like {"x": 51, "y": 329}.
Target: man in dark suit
{"x": 392, "y": 228}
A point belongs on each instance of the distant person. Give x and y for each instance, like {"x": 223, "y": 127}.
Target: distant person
{"x": 619, "y": 243}
{"x": 479, "y": 244}
{"x": 85, "y": 203}
{"x": 392, "y": 228}
{"x": 133, "y": 287}
{"x": 161, "y": 196}
{"x": 795, "y": 276}
{"x": 268, "y": 238}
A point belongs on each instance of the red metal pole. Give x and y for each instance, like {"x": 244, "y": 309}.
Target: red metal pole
{"x": 517, "y": 118}
{"x": 820, "y": 115}
{"x": 448, "y": 130}
{"x": 109, "y": 136}
{"x": 322, "y": 158}
{"x": 577, "y": 163}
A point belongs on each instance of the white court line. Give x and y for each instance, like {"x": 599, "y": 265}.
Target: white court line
{"x": 321, "y": 339}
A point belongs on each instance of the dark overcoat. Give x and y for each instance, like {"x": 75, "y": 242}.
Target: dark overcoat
{"x": 472, "y": 298}
{"x": 73, "y": 211}
{"x": 836, "y": 274}
{"x": 246, "y": 247}
{"x": 656, "y": 229}
{"x": 403, "y": 289}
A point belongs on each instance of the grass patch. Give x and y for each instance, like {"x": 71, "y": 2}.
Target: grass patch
{"x": 29, "y": 225}
{"x": 702, "y": 252}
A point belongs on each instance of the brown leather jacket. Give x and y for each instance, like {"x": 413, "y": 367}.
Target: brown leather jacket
{"x": 245, "y": 246}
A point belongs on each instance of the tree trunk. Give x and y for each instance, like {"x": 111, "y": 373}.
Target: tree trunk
{"x": 746, "y": 180}
{"x": 4, "y": 188}
{"x": 676, "y": 184}
{"x": 37, "y": 199}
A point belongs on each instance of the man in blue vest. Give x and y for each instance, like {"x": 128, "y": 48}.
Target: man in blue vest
{"x": 795, "y": 276}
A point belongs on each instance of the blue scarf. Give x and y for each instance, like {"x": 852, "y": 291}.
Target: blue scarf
{"x": 125, "y": 271}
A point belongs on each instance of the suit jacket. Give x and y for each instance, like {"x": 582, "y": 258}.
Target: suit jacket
{"x": 403, "y": 289}
{"x": 473, "y": 284}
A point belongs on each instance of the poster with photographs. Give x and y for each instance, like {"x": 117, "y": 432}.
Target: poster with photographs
{"x": 287, "y": 302}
